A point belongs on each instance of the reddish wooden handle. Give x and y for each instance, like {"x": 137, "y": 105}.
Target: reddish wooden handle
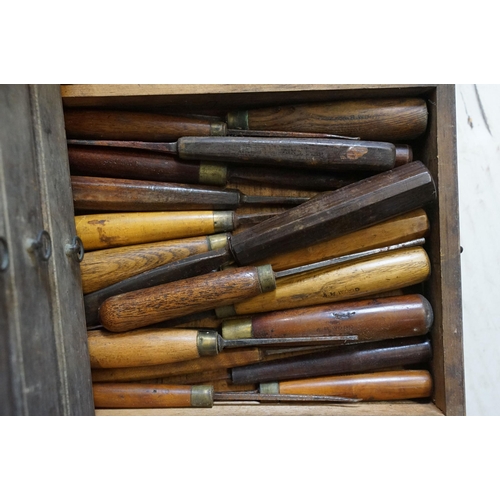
{"x": 202, "y": 293}
{"x": 380, "y": 386}
{"x": 138, "y": 395}
{"x": 135, "y": 126}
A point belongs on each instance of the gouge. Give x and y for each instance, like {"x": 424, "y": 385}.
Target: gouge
{"x": 344, "y": 155}
{"x": 379, "y": 386}
{"x": 393, "y": 119}
{"x": 121, "y": 195}
{"x": 368, "y": 319}
{"x": 143, "y": 165}
{"x": 152, "y": 346}
{"x": 142, "y": 395}
{"x": 230, "y": 287}
{"x": 354, "y": 358}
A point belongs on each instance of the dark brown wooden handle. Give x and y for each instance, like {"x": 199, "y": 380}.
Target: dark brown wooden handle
{"x": 139, "y": 395}
{"x": 369, "y": 319}
{"x": 393, "y": 120}
{"x": 339, "y": 212}
{"x": 137, "y": 126}
{"x": 102, "y": 194}
{"x": 152, "y": 305}
{"x": 130, "y": 164}
{"x": 331, "y": 154}
{"x": 380, "y": 386}
{"x": 354, "y": 358}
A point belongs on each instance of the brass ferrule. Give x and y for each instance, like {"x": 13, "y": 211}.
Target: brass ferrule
{"x": 206, "y": 343}
{"x": 223, "y": 221}
{"x": 267, "y": 279}
{"x": 238, "y": 328}
{"x": 202, "y": 396}
{"x": 225, "y": 311}
{"x": 269, "y": 388}
{"x": 238, "y": 120}
{"x": 218, "y": 128}
{"x": 216, "y": 241}
{"x": 213, "y": 174}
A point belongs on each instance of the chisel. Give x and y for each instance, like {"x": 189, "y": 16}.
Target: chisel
{"x": 350, "y": 276}
{"x": 354, "y": 358}
{"x": 394, "y": 119}
{"x": 152, "y": 346}
{"x": 354, "y": 207}
{"x": 337, "y": 155}
{"x": 142, "y": 395}
{"x": 122, "y": 195}
{"x": 126, "y": 262}
{"x": 378, "y": 386}
{"x": 368, "y": 319}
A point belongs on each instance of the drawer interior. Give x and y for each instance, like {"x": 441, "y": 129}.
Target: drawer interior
{"x": 435, "y": 148}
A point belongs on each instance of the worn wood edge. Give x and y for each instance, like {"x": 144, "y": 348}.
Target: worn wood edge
{"x": 70, "y": 333}
{"x": 219, "y": 410}
{"x": 122, "y": 90}
{"x": 452, "y": 398}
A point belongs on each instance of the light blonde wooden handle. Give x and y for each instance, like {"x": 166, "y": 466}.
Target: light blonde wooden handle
{"x": 102, "y": 268}
{"x": 142, "y": 347}
{"x": 410, "y": 226}
{"x": 380, "y": 273}
{"x": 380, "y": 386}
{"x": 121, "y": 229}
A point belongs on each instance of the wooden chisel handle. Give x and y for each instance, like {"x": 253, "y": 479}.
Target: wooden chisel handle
{"x": 130, "y": 164}
{"x": 141, "y": 308}
{"x": 330, "y": 154}
{"x": 121, "y": 229}
{"x": 369, "y": 319}
{"x": 102, "y": 268}
{"x": 378, "y": 386}
{"x": 355, "y": 358}
{"x": 139, "y": 395}
{"x": 332, "y": 214}
{"x": 395, "y": 120}
{"x": 146, "y": 347}
{"x": 348, "y": 281}
{"x": 126, "y": 125}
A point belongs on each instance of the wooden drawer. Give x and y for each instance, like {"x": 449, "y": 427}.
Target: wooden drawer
{"x": 436, "y": 148}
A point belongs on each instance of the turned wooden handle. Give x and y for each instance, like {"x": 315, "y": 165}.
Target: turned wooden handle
{"x": 140, "y": 395}
{"x": 142, "y": 347}
{"x": 130, "y": 164}
{"x": 125, "y": 125}
{"x": 201, "y": 293}
{"x": 394, "y": 120}
{"x": 330, "y": 154}
{"x": 333, "y": 214}
{"x": 369, "y": 319}
{"x": 121, "y": 195}
{"x": 102, "y": 268}
{"x": 355, "y": 358}
{"x": 351, "y": 280}
{"x": 379, "y": 386}
{"x": 121, "y": 229}
{"x": 406, "y": 227}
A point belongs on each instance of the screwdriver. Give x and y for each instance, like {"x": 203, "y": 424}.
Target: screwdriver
{"x": 142, "y": 395}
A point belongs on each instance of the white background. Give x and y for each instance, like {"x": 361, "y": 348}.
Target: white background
{"x": 478, "y": 148}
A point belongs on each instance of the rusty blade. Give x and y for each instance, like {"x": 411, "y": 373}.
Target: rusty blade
{"x": 281, "y": 398}
{"x": 159, "y": 147}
